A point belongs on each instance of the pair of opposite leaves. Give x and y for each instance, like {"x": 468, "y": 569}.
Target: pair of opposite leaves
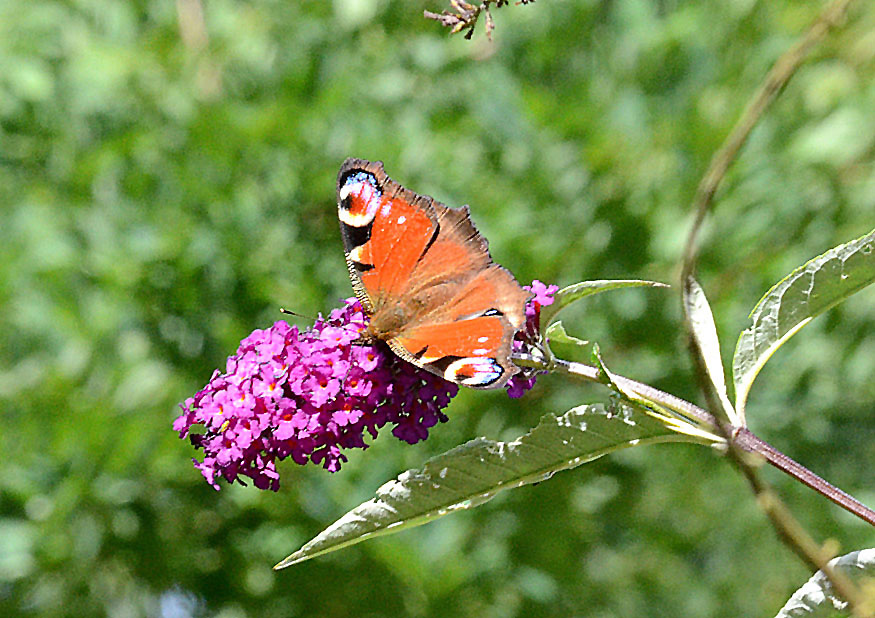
{"x": 424, "y": 276}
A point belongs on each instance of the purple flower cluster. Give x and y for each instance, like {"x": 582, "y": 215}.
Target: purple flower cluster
{"x": 529, "y": 336}
{"x": 307, "y": 395}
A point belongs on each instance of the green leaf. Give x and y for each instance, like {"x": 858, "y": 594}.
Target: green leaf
{"x": 475, "y": 472}
{"x": 703, "y": 330}
{"x": 817, "y": 599}
{"x": 556, "y": 334}
{"x": 575, "y": 292}
{"x": 804, "y": 294}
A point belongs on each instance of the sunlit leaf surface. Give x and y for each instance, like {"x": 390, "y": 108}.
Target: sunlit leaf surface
{"x": 802, "y": 295}
{"x": 701, "y": 322}
{"x": 817, "y": 599}
{"x": 475, "y": 472}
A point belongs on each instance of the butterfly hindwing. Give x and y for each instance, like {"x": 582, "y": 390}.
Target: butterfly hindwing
{"x": 424, "y": 274}
{"x": 467, "y": 351}
{"x": 469, "y": 329}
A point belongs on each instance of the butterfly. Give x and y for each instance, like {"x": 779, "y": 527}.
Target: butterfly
{"x": 424, "y": 276}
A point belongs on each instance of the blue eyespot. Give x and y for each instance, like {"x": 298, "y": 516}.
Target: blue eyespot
{"x": 362, "y": 177}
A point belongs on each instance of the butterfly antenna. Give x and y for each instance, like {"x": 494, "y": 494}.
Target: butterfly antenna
{"x": 297, "y": 315}
{"x": 300, "y": 315}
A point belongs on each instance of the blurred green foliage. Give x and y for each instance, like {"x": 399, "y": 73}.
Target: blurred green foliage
{"x": 167, "y": 180}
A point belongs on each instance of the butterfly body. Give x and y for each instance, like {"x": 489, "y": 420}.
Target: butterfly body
{"x": 424, "y": 276}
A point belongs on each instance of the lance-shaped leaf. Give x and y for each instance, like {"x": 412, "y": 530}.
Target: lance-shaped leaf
{"x": 575, "y": 292}
{"x": 802, "y": 295}
{"x": 475, "y": 472}
{"x": 700, "y": 321}
{"x": 817, "y": 599}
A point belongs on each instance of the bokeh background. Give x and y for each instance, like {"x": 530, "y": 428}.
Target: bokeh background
{"x": 167, "y": 177}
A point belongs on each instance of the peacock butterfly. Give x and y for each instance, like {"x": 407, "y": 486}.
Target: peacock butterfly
{"x": 424, "y": 276}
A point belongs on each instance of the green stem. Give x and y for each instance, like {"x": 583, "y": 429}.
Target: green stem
{"x": 768, "y": 91}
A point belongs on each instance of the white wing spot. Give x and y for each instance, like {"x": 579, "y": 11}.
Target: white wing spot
{"x": 482, "y": 339}
{"x": 401, "y": 220}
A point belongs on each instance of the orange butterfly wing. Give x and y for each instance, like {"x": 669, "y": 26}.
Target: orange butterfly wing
{"x": 424, "y": 274}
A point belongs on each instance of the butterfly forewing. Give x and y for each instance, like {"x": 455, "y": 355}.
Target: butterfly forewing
{"x": 384, "y": 236}
{"x": 424, "y": 274}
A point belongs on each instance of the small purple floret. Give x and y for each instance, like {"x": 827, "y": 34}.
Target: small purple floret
{"x": 523, "y": 382}
{"x": 307, "y": 395}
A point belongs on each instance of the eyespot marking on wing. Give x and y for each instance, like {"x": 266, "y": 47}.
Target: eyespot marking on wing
{"x": 359, "y": 199}
{"x": 474, "y": 371}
